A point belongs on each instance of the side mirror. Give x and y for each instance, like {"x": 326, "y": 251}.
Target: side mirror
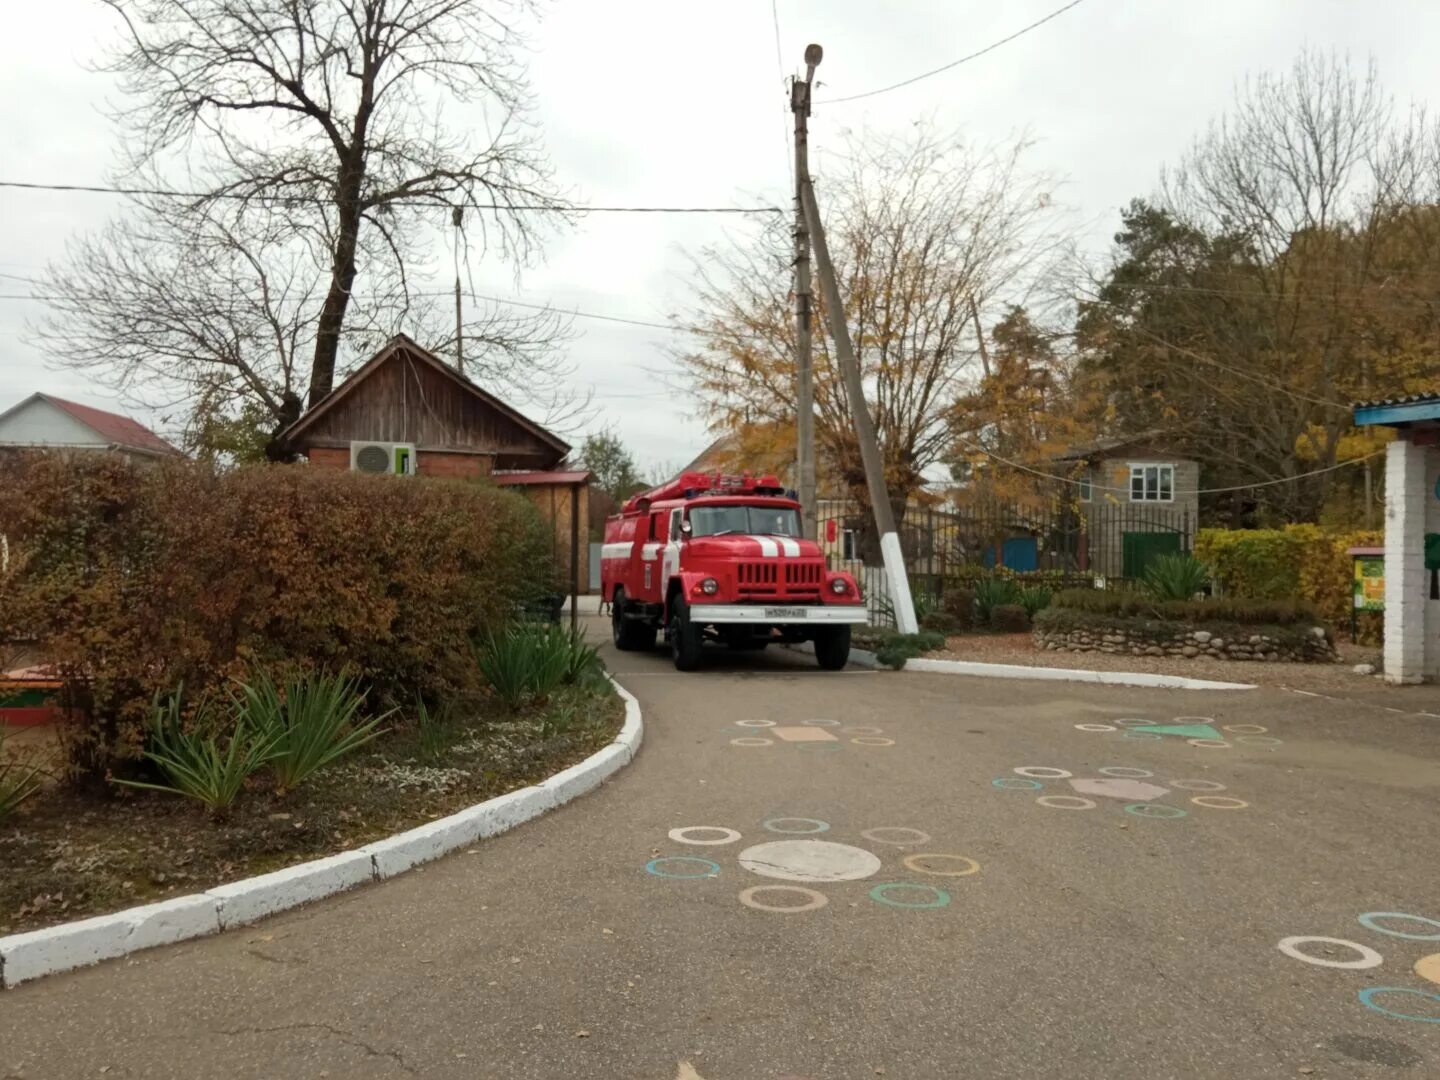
{"x": 685, "y": 528}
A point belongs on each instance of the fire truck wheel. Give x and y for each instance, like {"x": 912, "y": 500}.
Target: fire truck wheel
{"x": 832, "y": 647}
{"x": 630, "y": 635}
{"x": 684, "y": 637}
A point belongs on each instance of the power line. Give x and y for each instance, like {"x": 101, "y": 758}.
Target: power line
{"x": 954, "y": 63}
{"x": 536, "y": 207}
{"x": 780, "y": 68}
{"x": 1198, "y": 491}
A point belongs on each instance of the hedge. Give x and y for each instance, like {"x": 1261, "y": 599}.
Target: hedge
{"x": 1295, "y": 561}
{"x": 133, "y": 579}
{"x": 1133, "y": 603}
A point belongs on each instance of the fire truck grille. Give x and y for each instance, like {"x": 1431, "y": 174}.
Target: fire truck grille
{"x": 783, "y": 579}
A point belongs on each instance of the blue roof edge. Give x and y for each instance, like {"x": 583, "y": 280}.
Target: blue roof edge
{"x": 1388, "y": 415}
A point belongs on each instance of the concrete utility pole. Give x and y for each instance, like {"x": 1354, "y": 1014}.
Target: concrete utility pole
{"x": 895, "y": 574}
{"x": 804, "y": 363}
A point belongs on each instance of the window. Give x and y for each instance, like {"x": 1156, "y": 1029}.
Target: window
{"x": 1152, "y": 483}
{"x": 1086, "y": 488}
{"x": 745, "y": 520}
{"x": 675, "y": 524}
{"x": 850, "y": 545}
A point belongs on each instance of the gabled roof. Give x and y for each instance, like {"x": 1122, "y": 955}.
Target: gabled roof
{"x": 112, "y": 428}
{"x": 425, "y": 356}
{"x": 1108, "y": 444}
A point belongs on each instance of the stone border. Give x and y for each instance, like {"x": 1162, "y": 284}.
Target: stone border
{"x": 70, "y": 945}
{"x": 863, "y": 658}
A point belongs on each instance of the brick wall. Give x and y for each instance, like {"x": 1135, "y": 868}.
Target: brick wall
{"x": 328, "y": 457}
{"x": 429, "y": 462}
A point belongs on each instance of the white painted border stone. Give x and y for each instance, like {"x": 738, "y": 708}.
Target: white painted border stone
{"x": 866, "y": 659}
{"x": 88, "y": 941}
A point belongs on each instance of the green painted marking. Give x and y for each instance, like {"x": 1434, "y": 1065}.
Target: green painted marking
{"x": 1185, "y": 731}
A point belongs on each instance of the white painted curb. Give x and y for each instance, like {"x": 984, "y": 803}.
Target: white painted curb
{"x": 865, "y": 659}
{"x": 88, "y": 941}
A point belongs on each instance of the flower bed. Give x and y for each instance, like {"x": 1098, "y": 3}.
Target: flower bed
{"x": 1072, "y": 630}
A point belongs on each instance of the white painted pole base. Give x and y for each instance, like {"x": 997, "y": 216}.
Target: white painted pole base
{"x": 899, "y": 584}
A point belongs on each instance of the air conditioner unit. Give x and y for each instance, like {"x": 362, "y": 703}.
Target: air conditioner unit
{"x": 383, "y": 458}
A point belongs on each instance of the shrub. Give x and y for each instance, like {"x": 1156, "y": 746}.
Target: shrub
{"x": 202, "y": 760}
{"x": 896, "y": 649}
{"x": 19, "y": 778}
{"x": 311, "y": 721}
{"x": 959, "y": 604}
{"x": 942, "y": 622}
{"x": 1035, "y": 598}
{"x": 1136, "y": 604}
{"x": 1175, "y": 577}
{"x": 1258, "y": 564}
{"x": 432, "y": 729}
{"x": 135, "y": 579}
{"x": 992, "y": 592}
{"x": 1010, "y": 619}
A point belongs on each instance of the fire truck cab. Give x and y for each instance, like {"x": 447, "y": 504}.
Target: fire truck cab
{"x": 709, "y": 557}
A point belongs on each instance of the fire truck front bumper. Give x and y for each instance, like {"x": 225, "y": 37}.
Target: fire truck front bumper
{"x": 779, "y": 614}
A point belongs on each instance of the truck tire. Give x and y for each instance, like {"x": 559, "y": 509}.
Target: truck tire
{"x": 630, "y": 635}
{"x": 684, "y": 637}
{"x": 832, "y": 647}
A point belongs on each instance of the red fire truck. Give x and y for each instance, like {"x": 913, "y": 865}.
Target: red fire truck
{"x": 709, "y": 557}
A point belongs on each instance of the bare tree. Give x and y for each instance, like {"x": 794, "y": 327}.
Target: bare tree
{"x": 925, "y": 231}
{"x": 315, "y": 132}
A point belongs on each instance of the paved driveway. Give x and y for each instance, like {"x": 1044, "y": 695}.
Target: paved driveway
{"x": 1102, "y": 924}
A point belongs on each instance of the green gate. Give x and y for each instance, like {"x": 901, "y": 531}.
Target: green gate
{"x": 1139, "y": 548}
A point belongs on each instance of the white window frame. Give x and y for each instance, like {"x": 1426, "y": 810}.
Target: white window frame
{"x": 1087, "y": 488}
{"x": 849, "y": 545}
{"x": 1163, "y": 492}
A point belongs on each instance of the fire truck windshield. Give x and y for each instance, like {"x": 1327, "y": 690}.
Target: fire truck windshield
{"x": 747, "y": 520}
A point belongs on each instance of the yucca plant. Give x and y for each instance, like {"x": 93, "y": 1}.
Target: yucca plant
{"x": 1175, "y": 577}
{"x": 312, "y": 721}
{"x": 1034, "y": 599}
{"x": 992, "y": 592}
{"x": 433, "y": 729}
{"x": 527, "y": 660}
{"x": 200, "y": 761}
{"x": 19, "y": 779}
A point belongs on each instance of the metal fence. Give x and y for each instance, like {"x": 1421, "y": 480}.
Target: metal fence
{"x": 1108, "y": 542}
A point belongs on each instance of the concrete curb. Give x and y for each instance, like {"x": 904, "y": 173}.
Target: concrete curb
{"x": 88, "y": 941}
{"x": 863, "y": 658}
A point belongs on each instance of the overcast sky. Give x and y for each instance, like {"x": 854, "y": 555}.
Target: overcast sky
{"x": 644, "y": 102}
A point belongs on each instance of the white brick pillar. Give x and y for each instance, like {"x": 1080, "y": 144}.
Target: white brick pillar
{"x": 1406, "y": 582}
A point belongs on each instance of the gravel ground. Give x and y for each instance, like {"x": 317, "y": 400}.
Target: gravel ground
{"x": 1020, "y": 649}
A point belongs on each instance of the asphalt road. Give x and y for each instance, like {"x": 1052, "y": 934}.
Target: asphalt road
{"x": 953, "y": 928}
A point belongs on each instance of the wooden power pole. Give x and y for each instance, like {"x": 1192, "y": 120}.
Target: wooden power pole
{"x": 895, "y": 574}
{"x": 804, "y": 357}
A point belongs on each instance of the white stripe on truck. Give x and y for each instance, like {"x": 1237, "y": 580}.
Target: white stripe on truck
{"x": 617, "y": 550}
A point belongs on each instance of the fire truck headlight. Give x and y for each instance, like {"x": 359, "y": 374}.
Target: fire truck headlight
{"x": 709, "y": 586}
{"x": 839, "y": 587}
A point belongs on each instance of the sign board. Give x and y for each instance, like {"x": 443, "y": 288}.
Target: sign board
{"x": 1369, "y": 587}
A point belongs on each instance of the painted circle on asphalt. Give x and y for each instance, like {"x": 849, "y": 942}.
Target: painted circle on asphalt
{"x": 820, "y": 723}
{"x": 1016, "y": 783}
{"x": 1141, "y": 735}
{"x": 862, "y": 731}
{"x": 1094, "y": 727}
{"x": 707, "y": 868}
{"x": 1196, "y": 785}
{"x": 682, "y": 835}
{"x": 916, "y": 862}
{"x": 1193, "y": 720}
{"x": 885, "y": 834}
{"x": 1258, "y": 740}
{"x": 1154, "y": 810}
{"x": 938, "y": 897}
{"x": 1041, "y": 772}
{"x": 751, "y": 740}
{"x": 754, "y": 723}
{"x": 813, "y": 899}
{"x": 1209, "y": 744}
{"x": 1246, "y": 729}
{"x": 809, "y": 860}
{"x": 1219, "y": 802}
{"x": 872, "y": 740}
{"x": 1065, "y": 802}
{"x": 1367, "y": 998}
{"x": 817, "y": 746}
{"x": 1125, "y": 772}
{"x": 1368, "y": 920}
{"x": 1134, "y": 721}
{"x": 1368, "y": 957}
{"x": 775, "y": 823}
{"x": 1428, "y": 967}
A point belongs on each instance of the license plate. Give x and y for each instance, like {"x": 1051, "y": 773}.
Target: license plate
{"x": 784, "y": 613}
